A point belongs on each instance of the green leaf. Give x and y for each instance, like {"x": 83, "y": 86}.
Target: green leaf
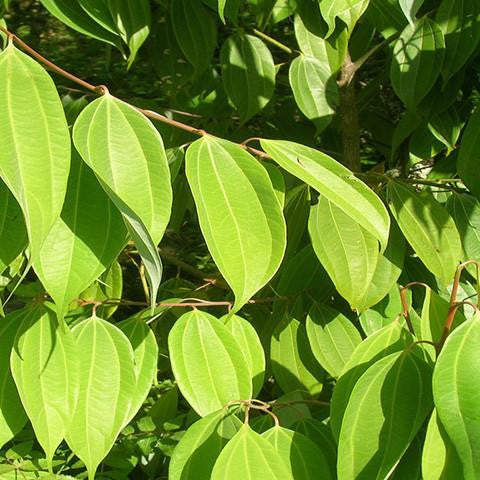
{"x": 278, "y": 182}
{"x": 386, "y": 16}
{"x": 428, "y": 228}
{"x": 197, "y": 451}
{"x": 13, "y": 235}
{"x": 349, "y": 11}
{"x": 455, "y": 390}
{"x": 460, "y": 23}
{"x": 303, "y": 457}
{"x": 383, "y": 313}
{"x": 315, "y": 90}
{"x": 99, "y": 12}
{"x": 296, "y": 212}
{"x": 446, "y": 127}
{"x": 334, "y": 182}
{"x": 207, "y": 362}
{"x": 234, "y": 195}
{"x": 249, "y": 342}
{"x": 132, "y": 19}
{"x": 309, "y": 33}
{"x": 73, "y": 15}
{"x": 83, "y": 242}
{"x": 417, "y": 59}
{"x": 248, "y": 73}
{"x": 439, "y": 458}
{"x": 35, "y": 153}
{"x": 145, "y": 351}
{"x": 386, "y": 409}
{"x": 465, "y": 211}
{"x": 12, "y": 415}
{"x": 390, "y": 339}
{"x": 348, "y": 252}
{"x": 125, "y": 150}
{"x": 248, "y": 455}
{"x": 293, "y": 363}
{"x": 332, "y": 336}
{"x": 466, "y": 164}
{"x": 321, "y": 434}
{"x": 106, "y": 389}
{"x": 195, "y": 31}
{"x": 410, "y": 9}
{"x": 388, "y": 269}
{"x": 45, "y": 364}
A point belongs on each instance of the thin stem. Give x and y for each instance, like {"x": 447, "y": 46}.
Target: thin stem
{"x": 102, "y": 89}
{"x": 272, "y": 41}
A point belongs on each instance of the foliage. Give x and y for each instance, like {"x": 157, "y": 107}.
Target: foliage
{"x": 254, "y": 253}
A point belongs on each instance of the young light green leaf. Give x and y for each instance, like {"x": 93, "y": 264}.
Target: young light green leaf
{"x": 410, "y": 9}
{"x": 303, "y": 457}
{"x": 348, "y": 252}
{"x": 428, "y": 228}
{"x": 465, "y": 210}
{"x": 132, "y": 19}
{"x": 332, "y": 336}
{"x": 145, "y": 350}
{"x": 44, "y": 364}
{"x": 195, "y": 31}
{"x": 386, "y": 409}
{"x": 196, "y": 453}
{"x": 207, "y": 362}
{"x": 293, "y": 363}
{"x": 72, "y": 14}
{"x": 417, "y": 59}
{"x": 455, "y": 389}
{"x": 460, "y": 23}
{"x": 106, "y": 388}
{"x": 278, "y": 182}
{"x": 233, "y": 195}
{"x": 335, "y": 182}
{"x": 390, "y": 339}
{"x": 12, "y": 415}
{"x": 83, "y": 242}
{"x": 35, "y": 153}
{"x": 13, "y": 235}
{"x": 439, "y": 458}
{"x": 125, "y": 150}
{"x": 467, "y": 164}
{"x": 249, "y": 342}
{"x": 248, "y": 455}
{"x": 349, "y": 11}
{"x": 248, "y": 73}
{"x": 315, "y": 90}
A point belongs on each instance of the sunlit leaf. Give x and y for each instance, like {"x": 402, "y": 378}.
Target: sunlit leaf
{"x": 335, "y": 182}
{"x": 45, "y": 363}
{"x": 106, "y": 388}
{"x": 207, "y": 362}
{"x": 248, "y": 455}
{"x": 332, "y": 336}
{"x": 35, "y": 153}
{"x": 233, "y": 195}
{"x": 455, "y": 391}
{"x": 386, "y": 409}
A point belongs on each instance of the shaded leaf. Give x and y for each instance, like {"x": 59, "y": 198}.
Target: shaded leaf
{"x": 248, "y": 73}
